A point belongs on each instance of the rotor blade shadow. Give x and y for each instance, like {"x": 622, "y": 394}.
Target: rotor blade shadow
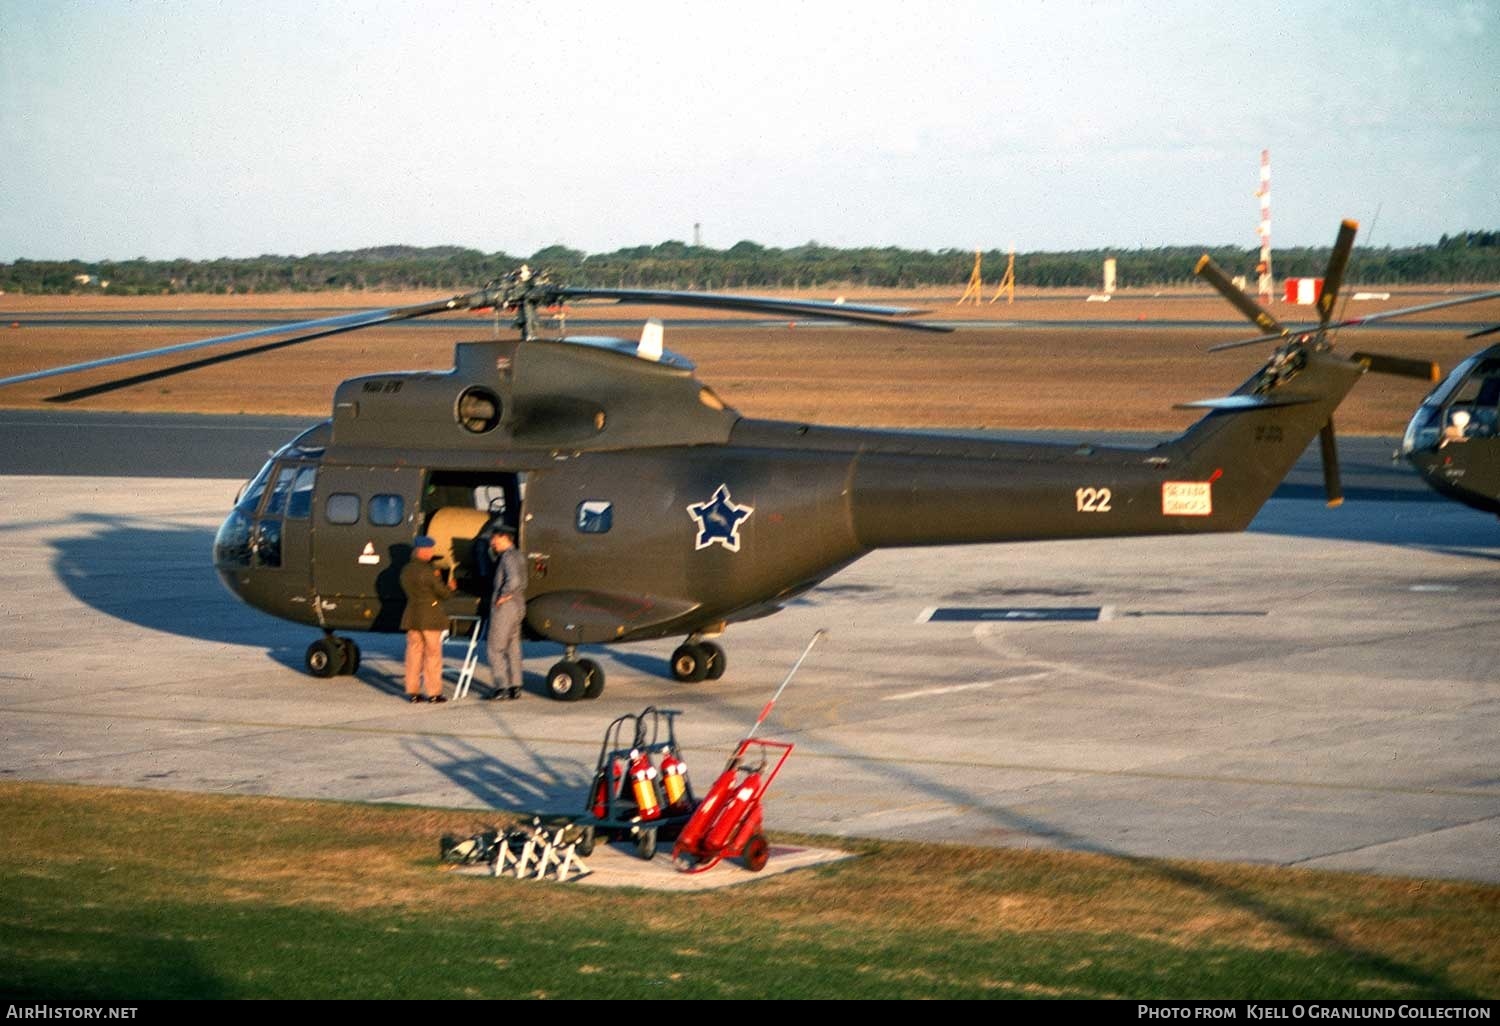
{"x": 500, "y": 785}
{"x": 157, "y": 575}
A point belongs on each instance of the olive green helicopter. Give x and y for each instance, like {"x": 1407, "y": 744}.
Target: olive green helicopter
{"x": 647, "y": 508}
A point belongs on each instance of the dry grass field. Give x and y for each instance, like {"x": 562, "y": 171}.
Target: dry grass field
{"x": 1021, "y": 375}
{"x": 121, "y": 894}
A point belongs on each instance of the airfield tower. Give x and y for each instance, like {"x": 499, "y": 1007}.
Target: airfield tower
{"x": 1263, "y": 269}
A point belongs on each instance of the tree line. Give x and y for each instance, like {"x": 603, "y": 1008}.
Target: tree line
{"x": 1464, "y": 258}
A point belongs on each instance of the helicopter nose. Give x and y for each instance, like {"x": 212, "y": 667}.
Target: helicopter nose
{"x": 232, "y": 550}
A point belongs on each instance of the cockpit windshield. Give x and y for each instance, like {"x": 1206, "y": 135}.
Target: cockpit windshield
{"x": 309, "y": 445}
{"x": 1466, "y": 405}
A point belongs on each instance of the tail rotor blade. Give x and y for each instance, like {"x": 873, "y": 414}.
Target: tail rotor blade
{"x": 1338, "y": 260}
{"x": 1259, "y": 316}
{"x": 1330, "y": 450}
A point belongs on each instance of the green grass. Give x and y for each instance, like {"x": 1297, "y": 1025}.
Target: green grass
{"x": 117, "y": 894}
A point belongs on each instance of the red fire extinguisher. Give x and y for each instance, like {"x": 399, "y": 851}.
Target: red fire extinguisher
{"x": 606, "y": 786}
{"x": 719, "y": 834}
{"x": 703, "y": 816}
{"x": 674, "y": 779}
{"x": 643, "y": 784}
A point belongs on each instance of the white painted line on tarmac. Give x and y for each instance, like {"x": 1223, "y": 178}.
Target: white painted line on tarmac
{"x": 907, "y": 696}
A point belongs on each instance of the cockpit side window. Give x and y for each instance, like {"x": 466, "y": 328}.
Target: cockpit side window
{"x": 276, "y": 504}
{"x": 299, "y": 506}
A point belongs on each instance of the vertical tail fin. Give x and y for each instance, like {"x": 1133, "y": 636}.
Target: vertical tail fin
{"x": 1249, "y": 440}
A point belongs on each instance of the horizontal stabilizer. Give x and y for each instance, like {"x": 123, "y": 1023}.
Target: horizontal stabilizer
{"x": 1401, "y": 366}
{"x": 1246, "y": 402}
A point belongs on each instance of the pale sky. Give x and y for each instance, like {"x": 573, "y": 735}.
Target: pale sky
{"x": 205, "y": 129}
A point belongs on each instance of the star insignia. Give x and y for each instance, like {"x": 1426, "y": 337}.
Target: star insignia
{"x": 719, "y": 520}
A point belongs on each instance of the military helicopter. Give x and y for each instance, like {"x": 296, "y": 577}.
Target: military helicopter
{"x": 1454, "y": 437}
{"x": 647, "y": 508}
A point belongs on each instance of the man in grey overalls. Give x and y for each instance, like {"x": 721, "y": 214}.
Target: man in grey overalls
{"x": 507, "y": 610}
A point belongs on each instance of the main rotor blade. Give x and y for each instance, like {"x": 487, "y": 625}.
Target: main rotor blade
{"x": 182, "y": 368}
{"x": 1373, "y": 318}
{"x": 1258, "y": 315}
{"x": 1484, "y": 331}
{"x": 1239, "y": 343}
{"x": 1338, "y": 259}
{"x": 309, "y": 330}
{"x": 1330, "y": 450}
{"x": 1401, "y": 366}
{"x": 1385, "y": 315}
{"x": 857, "y": 313}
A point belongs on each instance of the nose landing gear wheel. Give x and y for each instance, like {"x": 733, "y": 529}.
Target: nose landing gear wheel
{"x": 350, "y": 653}
{"x": 325, "y": 658}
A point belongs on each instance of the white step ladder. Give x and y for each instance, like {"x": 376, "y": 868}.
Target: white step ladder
{"x": 471, "y": 655}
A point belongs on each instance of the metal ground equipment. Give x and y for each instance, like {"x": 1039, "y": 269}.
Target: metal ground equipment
{"x": 728, "y": 823}
{"x": 640, "y": 790}
{"x": 538, "y": 848}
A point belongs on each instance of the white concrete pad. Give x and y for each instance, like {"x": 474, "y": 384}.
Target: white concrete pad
{"x": 616, "y": 865}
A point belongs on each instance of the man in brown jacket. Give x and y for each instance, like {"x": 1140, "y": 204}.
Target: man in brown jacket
{"x": 424, "y": 621}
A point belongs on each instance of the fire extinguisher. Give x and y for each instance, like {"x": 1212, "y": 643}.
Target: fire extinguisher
{"x": 721, "y": 833}
{"x": 643, "y": 784}
{"x": 606, "y": 786}
{"x": 674, "y": 779}
{"x": 703, "y": 817}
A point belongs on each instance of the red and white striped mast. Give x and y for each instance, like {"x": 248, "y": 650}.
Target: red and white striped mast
{"x": 1263, "y": 269}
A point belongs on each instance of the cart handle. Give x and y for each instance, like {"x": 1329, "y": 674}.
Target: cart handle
{"x": 767, "y": 710}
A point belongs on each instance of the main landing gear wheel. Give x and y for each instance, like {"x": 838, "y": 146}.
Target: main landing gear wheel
{"x": 325, "y": 657}
{"x": 690, "y": 662}
{"x": 593, "y": 685}
{"x": 717, "y": 661}
{"x": 567, "y": 681}
{"x": 351, "y": 656}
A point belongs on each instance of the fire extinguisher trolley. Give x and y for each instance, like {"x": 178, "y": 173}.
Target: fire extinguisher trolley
{"x": 640, "y": 789}
{"x": 728, "y": 822}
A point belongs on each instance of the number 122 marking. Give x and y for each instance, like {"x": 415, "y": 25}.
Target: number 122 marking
{"x": 1093, "y": 500}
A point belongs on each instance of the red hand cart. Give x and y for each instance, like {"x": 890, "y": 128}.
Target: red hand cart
{"x": 728, "y": 821}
